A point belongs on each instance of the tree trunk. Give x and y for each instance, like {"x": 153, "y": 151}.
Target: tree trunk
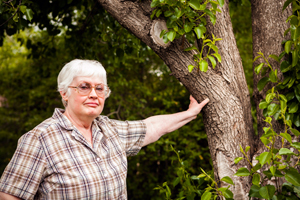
{"x": 268, "y": 26}
{"x": 227, "y": 118}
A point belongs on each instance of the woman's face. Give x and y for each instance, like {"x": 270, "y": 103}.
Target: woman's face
{"x": 84, "y": 106}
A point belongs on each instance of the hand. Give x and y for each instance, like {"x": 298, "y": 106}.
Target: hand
{"x": 196, "y": 107}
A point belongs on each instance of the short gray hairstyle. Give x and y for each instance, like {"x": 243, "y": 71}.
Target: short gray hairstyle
{"x": 76, "y": 68}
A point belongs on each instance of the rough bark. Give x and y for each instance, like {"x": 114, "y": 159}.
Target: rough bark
{"x": 227, "y": 117}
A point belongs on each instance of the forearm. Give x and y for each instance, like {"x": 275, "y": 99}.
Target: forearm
{"x": 160, "y": 125}
{"x": 4, "y": 196}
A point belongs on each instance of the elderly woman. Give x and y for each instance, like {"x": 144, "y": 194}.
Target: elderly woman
{"x": 77, "y": 153}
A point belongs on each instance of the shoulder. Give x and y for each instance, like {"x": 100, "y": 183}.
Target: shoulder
{"x": 40, "y": 130}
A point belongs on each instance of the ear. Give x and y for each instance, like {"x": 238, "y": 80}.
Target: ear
{"x": 64, "y": 95}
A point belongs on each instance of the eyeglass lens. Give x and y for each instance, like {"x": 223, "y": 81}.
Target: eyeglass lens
{"x": 85, "y": 88}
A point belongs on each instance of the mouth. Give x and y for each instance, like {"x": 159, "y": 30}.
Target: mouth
{"x": 92, "y": 104}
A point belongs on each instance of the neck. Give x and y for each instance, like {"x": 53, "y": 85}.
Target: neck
{"x": 79, "y": 122}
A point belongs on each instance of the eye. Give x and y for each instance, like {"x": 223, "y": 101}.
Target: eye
{"x": 84, "y": 86}
{"x": 99, "y": 88}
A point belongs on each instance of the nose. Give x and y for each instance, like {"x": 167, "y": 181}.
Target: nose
{"x": 93, "y": 93}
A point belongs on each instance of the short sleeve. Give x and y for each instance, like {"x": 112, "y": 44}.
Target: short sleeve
{"x": 132, "y": 135}
{"x": 23, "y": 174}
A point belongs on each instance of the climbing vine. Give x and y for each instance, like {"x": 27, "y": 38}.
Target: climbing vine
{"x": 186, "y": 19}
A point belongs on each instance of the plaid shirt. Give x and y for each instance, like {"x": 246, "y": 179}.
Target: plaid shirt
{"x": 54, "y": 161}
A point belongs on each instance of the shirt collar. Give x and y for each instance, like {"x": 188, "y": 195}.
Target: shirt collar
{"x": 63, "y": 121}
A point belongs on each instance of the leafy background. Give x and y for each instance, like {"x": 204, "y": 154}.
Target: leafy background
{"x": 32, "y": 54}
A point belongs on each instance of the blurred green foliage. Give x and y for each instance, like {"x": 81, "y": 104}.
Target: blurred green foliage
{"x": 33, "y": 53}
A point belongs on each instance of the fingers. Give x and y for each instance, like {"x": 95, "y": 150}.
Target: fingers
{"x": 204, "y": 102}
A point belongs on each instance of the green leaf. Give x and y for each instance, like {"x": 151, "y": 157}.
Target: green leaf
{"x": 217, "y": 56}
{"x": 188, "y": 27}
{"x": 273, "y": 170}
{"x": 154, "y": 3}
{"x": 273, "y": 76}
{"x": 296, "y": 132}
{"x": 267, "y": 191}
{"x": 285, "y": 5}
{"x": 203, "y": 6}
{"x": 168, "y": 13}
{"x": 227, "y": 179}
{"x": 274, "y": 57}
{"x": 165, "y": 38}
{"x": 176, "y": 181}
{"x": 263, "y": 104}
{"x": 285, "y": 66}
{"x": 283, "y": 106}
{"x": 228, "y": 194}
{"x": 295, "y": 57}
{"x": 162, "y": 33}
{"x": 195, "y": 4}
{"x": 158, "y": 13}
{"x": 221, "y": 2}
{"x": 29, "y": 14}
{"x": 293, "y": 177}
{"x": 247, "y": 149}
{"x": 254, "y": 191}
{"x": 237, "y": 160}
{"x": 178, "y": 13}
{"x": 287, "y": 46}
{"x": 258, "y": 68}
{"x": 293, "y": 107}
{"x": 286, "y": 136}
{"x": 153, "y": 14}
{"x": 256, "y": 167}
{"x": 203, "y": 65}
{"x": 297, "y": 120}
{"x": 213, "y": 61}
{"x": 281, "y": 96}
{"x": 242, "y": 172}
{"x": 191, "y": 67}
{"x": 285, "y": 151}
{"x": 191, "y": 48}
{"x": 256, "y": 179}
{"x": 257, "y": 57}
{"x": 199, "y": 32}
{"x": 171, "y": 35}
{"x": 264, "y": 140}
{"x": 273, "y": 108}
{"x": 290, "y": 96}
{"x": 296, "y": 145}
{"x": 206, "y": 195}
{"x": 262, "y": 83}
{"x": 212, "y": 17}
{"x": 23, "y": 9}
{"x": 270, "y": 97}
{"x": 295, "y": 34}
{"x": 265, "y": 157}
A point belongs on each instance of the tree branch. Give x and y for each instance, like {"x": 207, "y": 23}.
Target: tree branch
{"x": 13, "y": 14}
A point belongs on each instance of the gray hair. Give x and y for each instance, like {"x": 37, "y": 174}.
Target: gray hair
{"x": 76, "y": 68}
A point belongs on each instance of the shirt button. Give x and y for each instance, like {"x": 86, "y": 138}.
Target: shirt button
{"x": 105, "y": 175}
{"x": 98, "y": 159}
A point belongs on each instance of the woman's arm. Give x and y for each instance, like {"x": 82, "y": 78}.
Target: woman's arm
{"x": 160, "y": 125}
{"x": 4, "y": 196}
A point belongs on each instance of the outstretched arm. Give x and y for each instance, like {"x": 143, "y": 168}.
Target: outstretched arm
{"x": 160, "y": 125}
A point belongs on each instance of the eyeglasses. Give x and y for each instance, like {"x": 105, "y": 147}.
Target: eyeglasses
{"x": 85, "y": 89}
